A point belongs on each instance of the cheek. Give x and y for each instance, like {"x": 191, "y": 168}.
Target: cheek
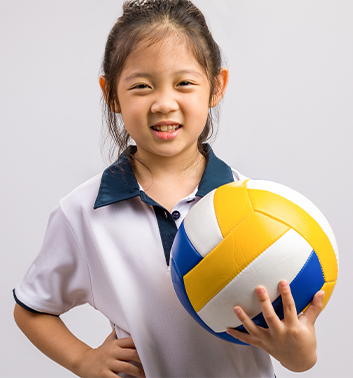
{"x": 198, "y": 102}
{"x": 199, "y": 108}
{"x": 132, "y": 110}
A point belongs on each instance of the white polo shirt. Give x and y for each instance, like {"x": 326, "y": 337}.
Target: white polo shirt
{"x": 108, "y": 244}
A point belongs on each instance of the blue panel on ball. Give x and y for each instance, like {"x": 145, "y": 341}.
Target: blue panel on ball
{"x": 305, "y": 285}
{"x": 179, "y": 288}
{"x": 184, "y": 253}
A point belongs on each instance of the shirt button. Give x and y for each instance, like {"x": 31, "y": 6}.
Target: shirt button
{"x": 175, "y": 215}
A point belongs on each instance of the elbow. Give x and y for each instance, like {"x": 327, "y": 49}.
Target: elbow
{"x": 21, "y": 316}
{"x": 17, "y": 315}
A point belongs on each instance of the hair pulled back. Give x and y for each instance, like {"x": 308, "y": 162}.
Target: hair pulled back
{"x": 151, "y": 21}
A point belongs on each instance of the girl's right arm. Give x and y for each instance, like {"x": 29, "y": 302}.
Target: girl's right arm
{"x": 50, "y": 335}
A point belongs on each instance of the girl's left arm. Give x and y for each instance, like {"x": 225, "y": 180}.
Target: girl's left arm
{"x": 291, "y": 341}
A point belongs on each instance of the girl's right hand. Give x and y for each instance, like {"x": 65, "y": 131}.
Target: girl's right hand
{"x": 114, "y": 356}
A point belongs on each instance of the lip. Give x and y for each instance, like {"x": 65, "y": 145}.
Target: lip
{"x": 162, "y": 135}
{"x": 167, "y": 123}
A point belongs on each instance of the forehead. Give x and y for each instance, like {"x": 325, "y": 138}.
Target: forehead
{"x": 171, "y": 54}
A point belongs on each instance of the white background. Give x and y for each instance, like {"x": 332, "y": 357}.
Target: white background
{"x": 287, "y": 116}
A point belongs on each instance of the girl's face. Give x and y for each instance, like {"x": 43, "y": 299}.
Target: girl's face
{"x": 164, "y": 98}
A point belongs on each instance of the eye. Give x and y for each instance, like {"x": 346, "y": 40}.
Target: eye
{"x": 184, "y": 83}
{"x": 140, "y": 86}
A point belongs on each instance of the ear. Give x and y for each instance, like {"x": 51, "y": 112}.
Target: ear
{"x": 103, "y": 85}
{"x": 221, "y": 86}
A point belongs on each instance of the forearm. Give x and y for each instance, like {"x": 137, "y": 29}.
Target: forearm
{"x": 50, "y": 335}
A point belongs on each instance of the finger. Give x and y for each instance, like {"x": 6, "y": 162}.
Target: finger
{"x": 267, "y": 309}
{"x": 126, "y": 354}
{"x": 315, "y": 308}
{"x": 110, "y": 373}
{"x": 248, "y": 324}
{"x": 124, "y": 349}
{"x": 289, "y": 308}
{"x": 126, "y": 342}
{"x": 111, "y": 336}
{"x": 128, "y": 368}
{"x": 244, "y": 337}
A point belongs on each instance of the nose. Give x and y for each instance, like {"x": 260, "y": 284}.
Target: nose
{"x": 164, "y": 103}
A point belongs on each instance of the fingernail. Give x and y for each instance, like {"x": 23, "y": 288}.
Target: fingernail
{"x": 283, "y": 283}
{"x": 260, "y": 290}
{"x": 237, "y": 311}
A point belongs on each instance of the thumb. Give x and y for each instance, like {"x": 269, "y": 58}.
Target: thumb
{"x": 111, "y": 336}
{"x": 315, "y": 308}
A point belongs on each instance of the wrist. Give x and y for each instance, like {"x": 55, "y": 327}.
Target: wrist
{"x": 78, "y": 362}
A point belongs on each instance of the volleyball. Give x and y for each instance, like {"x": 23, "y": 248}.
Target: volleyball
{"x": 245, "y": 234}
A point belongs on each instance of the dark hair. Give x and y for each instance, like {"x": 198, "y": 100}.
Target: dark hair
{"x": 151, "y": 21}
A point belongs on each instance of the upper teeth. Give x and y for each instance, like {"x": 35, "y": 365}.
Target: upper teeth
{"x": 166, "y": 127}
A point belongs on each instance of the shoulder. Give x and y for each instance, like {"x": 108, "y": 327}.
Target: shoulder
{"x": 82, "y": 198}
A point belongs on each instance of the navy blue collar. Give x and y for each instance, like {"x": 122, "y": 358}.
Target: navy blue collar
{"x": 119, "y": 183}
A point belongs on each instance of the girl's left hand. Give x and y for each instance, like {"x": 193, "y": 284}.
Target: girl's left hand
{"x": 291, "y": 341}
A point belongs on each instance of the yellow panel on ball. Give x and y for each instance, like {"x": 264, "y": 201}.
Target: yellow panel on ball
{"x": 242, "y": 245}
{"x": 285, "y": 211}
{"x": 232, "y": 205}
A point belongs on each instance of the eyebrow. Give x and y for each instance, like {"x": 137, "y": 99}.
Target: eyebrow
{"x": 135, "y": 75}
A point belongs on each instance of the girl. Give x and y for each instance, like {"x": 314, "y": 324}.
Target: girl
{"x": 108, "y": 242}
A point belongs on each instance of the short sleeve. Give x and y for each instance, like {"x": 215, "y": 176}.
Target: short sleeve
{"x": 59, "y": 278}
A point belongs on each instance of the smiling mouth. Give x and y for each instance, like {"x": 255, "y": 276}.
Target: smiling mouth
{"x": 166, "y": 128}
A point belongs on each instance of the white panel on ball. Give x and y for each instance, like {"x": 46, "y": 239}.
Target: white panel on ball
{"x": 201, "y": 226}
{"x": 290, "y": 253}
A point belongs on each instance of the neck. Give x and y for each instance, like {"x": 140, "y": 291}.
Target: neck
{"x": 189, "y": 163}
{"x": 169, "y": 179}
